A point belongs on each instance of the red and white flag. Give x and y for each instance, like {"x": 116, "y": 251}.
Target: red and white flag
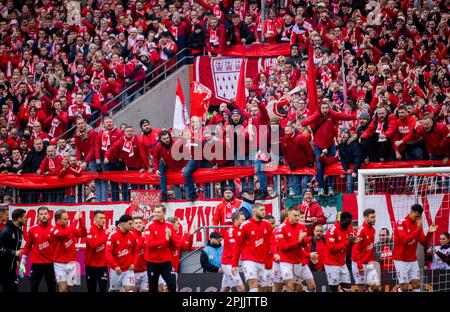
{"x": 180, "y": 116}
{"x": 200, "y": 97}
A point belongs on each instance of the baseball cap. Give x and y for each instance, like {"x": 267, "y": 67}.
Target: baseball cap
{"x": 215, "y": 235}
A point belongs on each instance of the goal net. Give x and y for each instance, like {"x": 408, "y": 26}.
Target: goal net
{"x": 392, "y": 192}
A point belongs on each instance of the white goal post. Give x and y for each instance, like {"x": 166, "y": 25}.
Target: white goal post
{"x": 398, "y": 172}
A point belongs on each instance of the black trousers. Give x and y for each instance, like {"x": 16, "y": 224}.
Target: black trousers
{"x": 9, "y": 281}
{"x": 154, "y": 270}
{"x": 38, "y": 271}
{"x": 94, "y": 276}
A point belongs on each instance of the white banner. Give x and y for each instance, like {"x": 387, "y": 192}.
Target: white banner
{"x": 198, "y": 213}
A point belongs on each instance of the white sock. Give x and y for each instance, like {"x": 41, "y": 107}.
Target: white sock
{"x": 416, "y": 290}
{"x": 399, "y": 290}
{"x": 253, "y": 290}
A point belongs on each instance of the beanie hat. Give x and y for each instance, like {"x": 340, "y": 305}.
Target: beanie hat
{"x": 364, "y": 115}
{"x": 143, "y": 121}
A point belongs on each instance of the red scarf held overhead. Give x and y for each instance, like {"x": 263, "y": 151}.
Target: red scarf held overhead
{"x": 51, "y": 164}
{"x": 128, "y": 146}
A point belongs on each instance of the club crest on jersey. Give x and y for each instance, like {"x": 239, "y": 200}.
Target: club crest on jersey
{"x": 252, "y": 232}
{"x": 129, "y": 242}
{"x": 289, "y": 234}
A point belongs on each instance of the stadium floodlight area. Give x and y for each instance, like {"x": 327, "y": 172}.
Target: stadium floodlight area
{"x": 392, "y": 192}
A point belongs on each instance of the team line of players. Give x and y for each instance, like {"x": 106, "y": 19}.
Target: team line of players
{"x": 142, "y": 257}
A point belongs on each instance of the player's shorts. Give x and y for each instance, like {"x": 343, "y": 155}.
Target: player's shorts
{"x": 67, "y": 272}
{"x": 407, "y": 271}
{"x": 297, "y": 272}
{"x": 252, "y": 270}
{"x": 276, "y": 273}
{"x": 266, "y": 280}
{"x": 337, "y": 275}
{"x": 369, "y": 277}
{"x": 141, "y": 279}
{"x": 117, "y": 281}
{"x": 161, "y": 281}
{"x": 229, "y": 279}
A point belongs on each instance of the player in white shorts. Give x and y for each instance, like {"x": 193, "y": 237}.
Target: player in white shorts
{"x": 231, "y": 280}
{"x": 339, "y": 240}
{"x": 121, "y": 251}
{"x": 408, "y": 232}
{"x": 363, "y": 254}
{"x": 140, "y": 271}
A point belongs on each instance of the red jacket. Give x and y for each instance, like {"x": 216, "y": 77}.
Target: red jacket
{"x": 337, "y": 244}
{"x": 255, "y": 242}
{"x": 216, "y": 39}
{"x": 141, "y": 264}
{"x": 64, "y": 239}
{"x": 104, "y": 140}
{"x": 57, "y": 125}
{"x": 38, "y": 242}
{"x": 290, "y": 249}
{"x": 435, "y": 139}
{"x": 95, "y": 247}
{"x": 388, "y": 128}
{"x": 150, "y": 140}
{"x": 121, "y": 249}
{"x": 406, "y": 237}
{"x": 158, "y": 248}
{"x": 404, "y": 131}
{"x": 312, "y": 209}
{"x": 229, "y": 244}
{"x": 52, "y": 165}
{"x": 161, "y": 152}
{"x": 134, "y": 158}
{"x": 297, "y": 151}
{"x": 85, "y": 145}
{"x": 364, "y": 252}
{"x": 325, "y": 130}
{"x": 223, "y": 212}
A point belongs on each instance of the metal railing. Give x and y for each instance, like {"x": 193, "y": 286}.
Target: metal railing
{"x": 161, "y": 72}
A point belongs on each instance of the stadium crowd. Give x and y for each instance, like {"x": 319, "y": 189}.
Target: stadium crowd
{"x": 60, "y": 70}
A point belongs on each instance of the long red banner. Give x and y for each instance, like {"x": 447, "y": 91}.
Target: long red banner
{"x": 33, "y": 181}
{"x": 258, "y": 50}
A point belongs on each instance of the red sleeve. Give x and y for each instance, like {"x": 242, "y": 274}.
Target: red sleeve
{"x": 283, "y": 245}
{"x": 94, "y": 241}
{"x": 91, "y": 155}
{"x": 113, "y": 150}
{"x": 331, "y": 237}
{"x": 97, "y": 146}
{"x": 81, "y": 231}
{"x": 28, "y": 243}
{"x": 78, "y": 147}
{"x": 109, "y": 252}
{"x": 392, "y": 127}
{"x": 156, "y": 156}
{"x": 44, "y": 165}
{"x": 217, "y": 215}
{"x": 240, "y": 236}
{"x": 321, "y": 219}
{"x": 369, "y": 131}
{"x": 404, "y": 238}
{"x": 151, "y": 242}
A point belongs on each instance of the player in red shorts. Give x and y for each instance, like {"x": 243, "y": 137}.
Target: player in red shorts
{"x": 363, "y": 254}
{"x": 408, "y": 232}
{"x": 254, "y": 244}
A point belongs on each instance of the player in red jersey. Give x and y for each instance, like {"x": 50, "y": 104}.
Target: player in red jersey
{"x": 230, "y": 280}
{"x": 121, "y": 249}
{"x": 185, "y": 241}
{"x": 38, "y": 243}
{"x": 306, "y": 276}
{"x": 255, "y": 242}
{"x": 339, "y": 240}
{"x": 276, "y": 270}
{"x": 63, "y": 238}
{"x": 363, "y": 254}
{"x": 95, "y": 259}
{"x": 266, "y": 282}
{"x": 140, "y": 271}
{"x": 294, "y": 236}
{"x": 408, "y": 232}
{"x": 160, "y": 241}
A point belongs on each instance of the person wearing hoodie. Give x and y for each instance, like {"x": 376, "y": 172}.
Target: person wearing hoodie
{"x": 211, "y": 255}
{"x": 196, "y": 40}
{"x": 10, "y": 250}
{"x": 370, "y": 147}
{"x": 248, "y": 199}
{"x": 350, "y": 152}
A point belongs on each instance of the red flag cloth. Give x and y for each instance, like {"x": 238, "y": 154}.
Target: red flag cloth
{"x": 33, "y": 181}
{"x": 241, "y": 100}
{"x": 200, "y": 97}
{"x": 258, "y": 50}
{"x": 312, "y": 84}
{"x": 180, "y": 118}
